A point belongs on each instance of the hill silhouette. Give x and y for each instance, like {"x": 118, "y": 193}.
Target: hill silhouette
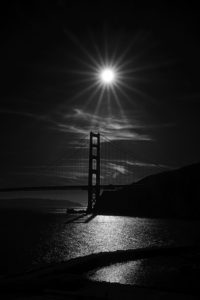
{"x": 173, "y": 194}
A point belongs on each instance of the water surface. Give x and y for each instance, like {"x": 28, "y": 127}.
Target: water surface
{"x": 32, "y": 238}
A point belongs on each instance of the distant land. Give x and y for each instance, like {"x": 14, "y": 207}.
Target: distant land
{"x": 171, "y": 194}
{"x": 36, "y": 203}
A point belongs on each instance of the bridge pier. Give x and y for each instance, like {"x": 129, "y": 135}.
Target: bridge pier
{"x": 94, "y": 171}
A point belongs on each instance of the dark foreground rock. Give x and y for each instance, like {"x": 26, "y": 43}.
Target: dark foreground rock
{"x": 68, "y": 280}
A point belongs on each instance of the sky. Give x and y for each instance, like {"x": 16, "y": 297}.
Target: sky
{"x": 51, "y": 94}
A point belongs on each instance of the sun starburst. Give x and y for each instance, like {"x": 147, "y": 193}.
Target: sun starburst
{"x": 108, "y": 77}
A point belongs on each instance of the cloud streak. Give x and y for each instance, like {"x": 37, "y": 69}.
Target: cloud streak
{"x": 81, "y": 122}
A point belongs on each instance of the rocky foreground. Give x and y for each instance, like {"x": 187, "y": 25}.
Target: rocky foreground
{"x": 69, "y": 280}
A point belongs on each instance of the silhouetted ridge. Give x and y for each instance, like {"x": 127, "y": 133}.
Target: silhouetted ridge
{"x": 174, "y": 193}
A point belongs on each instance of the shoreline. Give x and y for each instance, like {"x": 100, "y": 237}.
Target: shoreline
{"x": 70, "y": 277}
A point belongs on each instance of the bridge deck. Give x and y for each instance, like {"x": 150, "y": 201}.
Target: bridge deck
{"x": 52, "y": 188}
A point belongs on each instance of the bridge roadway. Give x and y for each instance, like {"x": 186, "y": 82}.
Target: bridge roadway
{"x": 63, "y": 187}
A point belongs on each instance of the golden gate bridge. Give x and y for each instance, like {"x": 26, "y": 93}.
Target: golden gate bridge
{"x": 93, "y": 164}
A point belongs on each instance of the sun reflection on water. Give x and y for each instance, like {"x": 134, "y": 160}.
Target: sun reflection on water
{"x": 123, "y": 273}
{"x": 64, "y": 241}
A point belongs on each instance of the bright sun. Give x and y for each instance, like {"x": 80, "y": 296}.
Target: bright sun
{"x": 107, "y": 76}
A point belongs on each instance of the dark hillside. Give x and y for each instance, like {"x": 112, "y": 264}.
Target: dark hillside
{"x": 174, "y": 193}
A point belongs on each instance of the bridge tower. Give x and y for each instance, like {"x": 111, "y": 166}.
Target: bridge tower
{"x": 94, "y": 171}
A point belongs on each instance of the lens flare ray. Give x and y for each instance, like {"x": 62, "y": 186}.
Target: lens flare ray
{"x": 117, "y": 100}
{"x": 83, "y": 92}
{"x": 99, "y": 103}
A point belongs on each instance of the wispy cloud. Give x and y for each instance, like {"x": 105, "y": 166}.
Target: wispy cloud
{"x": 77, "y": 123}
{"x": 118, "y": 169}
{"x": 81, "y": 122}
{"x": 148, "y": 165}
{"x": 136, "y": 163}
